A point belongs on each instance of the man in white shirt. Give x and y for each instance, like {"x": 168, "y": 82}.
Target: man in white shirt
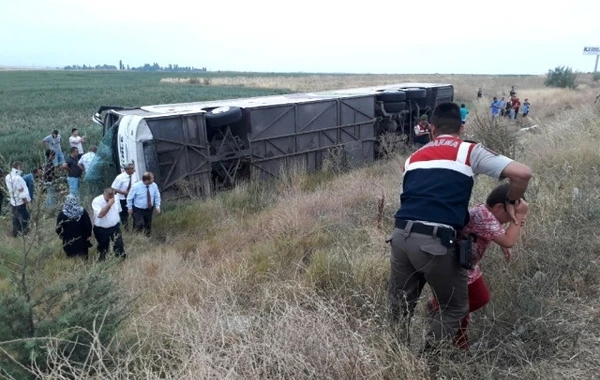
{"x": 121, "y": 185}
{"x": 76, "y": 141}
{"x": 86, "y": 160}
{"x": 107, "y": 224}
{"x": 19, "y": 198}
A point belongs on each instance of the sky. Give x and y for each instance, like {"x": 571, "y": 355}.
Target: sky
{"x": 418, "y": 37}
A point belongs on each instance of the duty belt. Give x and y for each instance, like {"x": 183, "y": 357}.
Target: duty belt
{"x": 448, "y": 236}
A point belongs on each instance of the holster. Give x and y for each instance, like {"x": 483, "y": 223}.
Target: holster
{"x": 465, "y": 246}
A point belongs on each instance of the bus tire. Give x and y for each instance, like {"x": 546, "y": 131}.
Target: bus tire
{"x": 222, "y": 116}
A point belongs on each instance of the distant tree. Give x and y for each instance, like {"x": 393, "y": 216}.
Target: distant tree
{"x": 562, "y": 77}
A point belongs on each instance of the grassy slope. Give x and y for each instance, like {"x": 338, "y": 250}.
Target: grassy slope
{"x": 289, "y": 279}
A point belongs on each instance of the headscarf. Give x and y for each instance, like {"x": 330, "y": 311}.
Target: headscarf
{"x": 71, "y": 208}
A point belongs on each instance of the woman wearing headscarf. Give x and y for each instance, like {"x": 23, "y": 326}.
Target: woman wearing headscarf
{"x": 74, "y": 226}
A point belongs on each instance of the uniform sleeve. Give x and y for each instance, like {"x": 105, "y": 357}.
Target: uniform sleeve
{"x": 485, "y": 161}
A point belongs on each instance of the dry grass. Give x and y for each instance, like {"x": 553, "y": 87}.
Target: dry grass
{"x": 289, "y": 280}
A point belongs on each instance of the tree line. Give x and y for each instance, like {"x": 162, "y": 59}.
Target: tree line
{"x": 146, "y": 67}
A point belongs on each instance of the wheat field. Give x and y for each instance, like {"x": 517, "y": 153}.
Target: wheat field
{"x": 288, "y": 280}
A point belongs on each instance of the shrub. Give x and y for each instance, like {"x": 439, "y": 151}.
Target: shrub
{"x": 87, "y": 300}
{"x": 495, "y": 134}
{"x": 46, "y": 300}
{"x": 596, "y": 76}
{"x": 562, "y": 77}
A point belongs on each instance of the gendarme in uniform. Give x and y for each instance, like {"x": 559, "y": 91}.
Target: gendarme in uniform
{"x": 437, "y": 183}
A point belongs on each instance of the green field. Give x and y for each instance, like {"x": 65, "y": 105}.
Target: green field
{"x": 33, "y": 103}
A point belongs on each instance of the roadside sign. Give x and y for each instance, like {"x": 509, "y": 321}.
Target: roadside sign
{"x": 591, "y": 50}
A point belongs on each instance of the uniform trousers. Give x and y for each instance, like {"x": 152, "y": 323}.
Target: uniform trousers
{"x": 479, "y": 296}
{"x": 418, "y": 259}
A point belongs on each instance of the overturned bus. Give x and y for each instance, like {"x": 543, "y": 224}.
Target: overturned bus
{"x": 197, "y": 148}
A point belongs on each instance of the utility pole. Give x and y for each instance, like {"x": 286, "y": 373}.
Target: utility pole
{"x": 596, "y": 65}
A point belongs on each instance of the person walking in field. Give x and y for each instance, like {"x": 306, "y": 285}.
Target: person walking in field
{"x": 144, "y": 199}
{"x": 53, "y": 142}
{"x": 485, "y": 226}
{"x": 525, "y": 108}
{"x": 515, "y": 104}
{"x": 464, "y": 112}
{"x": 437, "y": 183}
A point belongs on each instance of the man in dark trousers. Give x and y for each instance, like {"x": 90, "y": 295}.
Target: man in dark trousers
{"x": 144, "y": 199}
{"x": 121, "y": 185}
{"x": 436, "y": 188}
{"x": 107, "y": 224}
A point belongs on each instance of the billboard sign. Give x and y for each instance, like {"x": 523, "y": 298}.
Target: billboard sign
{"x": 591, "y": 50}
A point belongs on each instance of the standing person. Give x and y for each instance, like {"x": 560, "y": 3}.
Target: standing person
{"x": 76, "y": 142}
{"x": 437, "y": 183}
{"x": 515, "y": 104}
{"x": 421, "y": 132}
{"x": 479, "y": 93}
{"x": 86, "y": 160}
{"x": 107, "y": 226}
{"x": 142, "y": 201}
{"x": 18, "y": 195}
{"x": 502, "y": 104}
{"x": 74, "y": 175}
{"x": 52, "y": 142}
{"x": 74, "y": 227}
{"x": 30, "y": 179}
{"x": 526, "y": 107}
{"x": 121, "y": 185}
{"x": 48, "y": 178}
{"x": 495, "y": 107}
{"x": 485, "y": 226}
{"x": 464, "y": 112}
{"x": 512, "y": 91}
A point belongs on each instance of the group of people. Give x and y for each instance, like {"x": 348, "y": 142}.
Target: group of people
{"x": 128, "y": 197}
{"x": 508, "y": 108}
{"x": 438, "y": 240}
{"x": 76, "y": 164}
